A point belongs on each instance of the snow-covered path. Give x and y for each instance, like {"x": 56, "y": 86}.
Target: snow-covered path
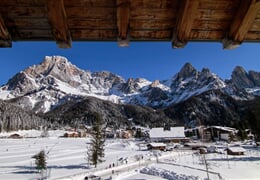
{"x": 123, "y": 170}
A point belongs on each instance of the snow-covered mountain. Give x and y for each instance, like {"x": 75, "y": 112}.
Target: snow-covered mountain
{"x": 55, "y": 81}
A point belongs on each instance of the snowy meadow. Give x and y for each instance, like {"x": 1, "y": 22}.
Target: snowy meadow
{"x": 124, "y": 159}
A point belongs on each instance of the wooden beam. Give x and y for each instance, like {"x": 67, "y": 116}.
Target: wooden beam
{"x": 58, "y": 20}
{"x": 241, "y": 24}
{"x": 123, "y": 14}
{"x": 186, "y": 16}
{"x": 5, "y": 38}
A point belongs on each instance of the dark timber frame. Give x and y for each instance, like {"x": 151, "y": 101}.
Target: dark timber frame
{"x": 231, "y": 22}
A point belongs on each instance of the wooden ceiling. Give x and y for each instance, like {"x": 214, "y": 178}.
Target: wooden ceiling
{"x": 177, "y": 21}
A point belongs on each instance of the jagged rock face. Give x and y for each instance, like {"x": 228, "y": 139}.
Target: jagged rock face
{"x": 105, "y": 80}
{"x": 132, "y": 85}
{"x": 187, "y": 71}
{"x": 189, "y": 82}
{"x": 241, "y": 78}
{"x": 55, "y": 80}
{"x": 155, "y": 96}
{"x": 20, "y": 84}
{"x": 56, "y": 66}
{"x": 255, "y": 77}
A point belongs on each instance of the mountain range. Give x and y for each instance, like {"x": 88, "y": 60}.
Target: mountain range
{"x": 61, "y": 93}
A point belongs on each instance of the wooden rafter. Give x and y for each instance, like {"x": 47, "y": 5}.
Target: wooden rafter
{"x": 186, "y": 16}
{"x": 5, "y": 38}
{"x": 241, "y": 24}
{"x": 58, "y": 21}
{"x": 123, "y": 14}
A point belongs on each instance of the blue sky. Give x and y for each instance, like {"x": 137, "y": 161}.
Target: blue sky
{"x": 150, "y": 60}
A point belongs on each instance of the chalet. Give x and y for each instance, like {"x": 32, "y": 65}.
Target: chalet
{"x": 173, "y": 134}
{"x": 124, "y": 134}
{"x": 195, "y": 132}
{"x": 236, "y": 151}
{"x": 220, "y": 133}
{"x": 156, "y": 146}
{"x": 71, "y": 134}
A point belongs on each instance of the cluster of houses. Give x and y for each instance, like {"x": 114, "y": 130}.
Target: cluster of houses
{"x": 163, "y": 139}
{"x": 159, "y": 138}
{"x": 162, "y": 135}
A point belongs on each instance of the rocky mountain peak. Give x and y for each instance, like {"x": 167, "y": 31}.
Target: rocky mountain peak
{"x": 155, "y": 83}
{"x": 205, "y": 71}
{"x": 50, "y": 60}
{"x": 239, "y": 70}
{"x": 241, "y": 78}
{"x": 187, "y": 71}
{"x": 55, "y": 80}
{"x": 130, "y": 86}
{"x": 205, "y": 74}
{"x": 53, "y": 65}
{"x": 255, "y": 77}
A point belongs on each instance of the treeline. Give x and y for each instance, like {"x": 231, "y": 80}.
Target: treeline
{"x": 82, "y": 113}
{"x": 224, "y": 112}
{"x": 14, "y": 118}
{"x": 251, "y": 118}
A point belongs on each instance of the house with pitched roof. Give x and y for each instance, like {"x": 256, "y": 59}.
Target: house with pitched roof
{"x": 172, "y": 134}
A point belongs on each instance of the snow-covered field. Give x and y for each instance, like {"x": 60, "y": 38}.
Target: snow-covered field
{"x": 124, "y": 160}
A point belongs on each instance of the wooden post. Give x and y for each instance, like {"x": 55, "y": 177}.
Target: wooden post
{"x": 58, "y": 20}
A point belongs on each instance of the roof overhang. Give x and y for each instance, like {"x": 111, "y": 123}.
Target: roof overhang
{"x": 177, "y": 21}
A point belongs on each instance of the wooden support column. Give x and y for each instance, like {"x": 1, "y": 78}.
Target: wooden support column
{"x": 5, "y": 38}
{"x": 186, "y": 16}
{"x": 123, "y": 14}
{"x": 58, "y": 20}
{"x": 241, "y": 24}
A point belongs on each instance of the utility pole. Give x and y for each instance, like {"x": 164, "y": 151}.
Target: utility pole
{"x": 204, "y": 157}
{"x": 206, "y": 165}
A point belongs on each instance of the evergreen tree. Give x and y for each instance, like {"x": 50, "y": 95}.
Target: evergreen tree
{"x": 40, "y": 160}
{"x": 96, "y": 150}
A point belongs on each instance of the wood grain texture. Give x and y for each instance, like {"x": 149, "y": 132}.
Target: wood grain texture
{"x": 186, "y": 16}
{"x": 244, "y": 19}
{"x": 176, "y": 21}
{"x": 123, "y": 15}
{"x": 58, "y": 20}
{"x": 5, "y": 38}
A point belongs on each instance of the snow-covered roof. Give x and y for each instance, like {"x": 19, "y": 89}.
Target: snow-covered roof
{"x": 237, "y": 149}
{"x": 174, "y": 132}
{"x": 228, "y": 129}
{"x": 157, "y": 144}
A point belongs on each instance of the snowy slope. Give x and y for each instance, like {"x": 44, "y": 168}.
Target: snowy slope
{"x": 66, "y": 160}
